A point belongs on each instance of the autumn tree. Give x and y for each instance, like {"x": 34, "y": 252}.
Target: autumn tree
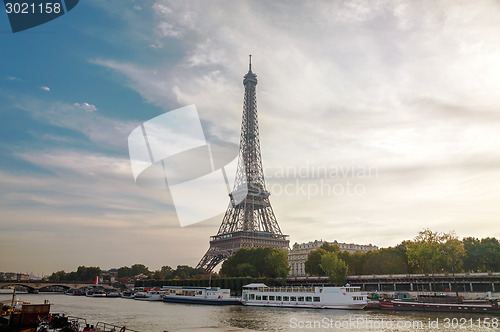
{"x": 334, "y": 267}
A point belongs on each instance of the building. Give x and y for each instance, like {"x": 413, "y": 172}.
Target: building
{"x": 297, "y": 256}
{"x": 10, "y": 276}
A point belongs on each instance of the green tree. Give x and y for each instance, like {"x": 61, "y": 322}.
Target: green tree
{"x": 424, "y": 253}
{"x": 245, "y": 270}
{"x": 481, "y": 255}
{"x": 266, "y": 262}
{"x": 277, "y": 260}
{"x": 58, "y": 276}
{"x": 137, "y": 269}
{"x": 453, "y": 253}
{"x": 124, "y": 272}
{"x": 87, "y": 274}
{"x": 167, "y": 272}
{"x": 335, "y": 268}
{"x": 491, "y": 254}
{"x": 330, "y": 247}
{"x": 355, "y": 261}
{"x": 312, "y": 265}
{"x": 186, "y": 272}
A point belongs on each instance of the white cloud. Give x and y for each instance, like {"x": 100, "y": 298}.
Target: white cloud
{"x": 45, "y": 88}
{"x": 85, "y": 107}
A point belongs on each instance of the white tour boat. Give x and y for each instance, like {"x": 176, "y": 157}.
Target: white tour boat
{"x": 199, "y": 295}
{"x": 304, "y": 297}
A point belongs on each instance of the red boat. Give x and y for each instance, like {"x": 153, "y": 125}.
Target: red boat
{"x": 441, "y": 303}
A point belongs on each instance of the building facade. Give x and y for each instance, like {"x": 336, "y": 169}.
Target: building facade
{"x": 297, "y": 256}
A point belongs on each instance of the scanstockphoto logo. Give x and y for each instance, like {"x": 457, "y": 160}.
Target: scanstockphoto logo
{"x": 170, "y": 153}
{"x": 27, "y": 14}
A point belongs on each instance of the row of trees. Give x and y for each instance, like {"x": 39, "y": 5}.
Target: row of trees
{"x": 82, "y": 274}
{"x": 428, "y": 252}
{"x": 88, "y": 274}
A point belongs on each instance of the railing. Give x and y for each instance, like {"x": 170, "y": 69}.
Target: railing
{"x": 102, "y": 326}
{"x": 262, "y": 235}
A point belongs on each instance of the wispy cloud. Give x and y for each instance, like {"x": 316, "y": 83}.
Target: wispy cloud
{"x": 102, "y": 130}
{"x": 45, "y": 88}
{"x": 85, "y": 107}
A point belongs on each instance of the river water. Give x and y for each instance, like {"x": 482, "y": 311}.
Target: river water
{"x": 158, "y": 316}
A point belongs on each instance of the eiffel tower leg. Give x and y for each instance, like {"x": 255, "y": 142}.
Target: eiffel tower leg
{"x": 212, "y": 258}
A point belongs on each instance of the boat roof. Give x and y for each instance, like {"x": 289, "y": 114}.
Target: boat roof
{"x": 255, "y": 285}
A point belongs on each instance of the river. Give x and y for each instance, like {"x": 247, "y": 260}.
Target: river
{"x": 158, "y": 316}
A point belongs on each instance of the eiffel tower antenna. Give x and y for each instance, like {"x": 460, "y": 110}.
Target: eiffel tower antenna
{"x": 251, "y": 222}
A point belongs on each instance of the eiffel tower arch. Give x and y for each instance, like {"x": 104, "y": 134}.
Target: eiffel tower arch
{"x": 249, "y": 222}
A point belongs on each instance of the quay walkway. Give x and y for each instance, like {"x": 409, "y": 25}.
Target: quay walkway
{"x": 444, "y": 282}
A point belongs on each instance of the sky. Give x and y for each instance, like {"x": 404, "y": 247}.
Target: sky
{"x": 377, "y": 119}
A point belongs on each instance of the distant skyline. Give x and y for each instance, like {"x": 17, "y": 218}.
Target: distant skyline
{"x": 377, "y": 120}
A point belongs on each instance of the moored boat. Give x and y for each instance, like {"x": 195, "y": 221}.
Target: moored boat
{"x": 304, "y": 297}
{"x": 199, "y": 295}
{"x": 128, "y": 294}
{"x": 441, "y": 304}
{"x": 75, "y": 291}
{"x": 96, "y": 292}
{"x": 112, "y": 293}
{"x": 17, "y": 315}
{"x": 150, "y": 295}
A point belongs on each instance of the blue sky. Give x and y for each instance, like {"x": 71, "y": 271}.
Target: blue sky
{"x": 407, "y": 89}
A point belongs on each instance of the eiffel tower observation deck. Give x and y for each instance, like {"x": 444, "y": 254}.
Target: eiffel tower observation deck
{"x": 250, "y": 222}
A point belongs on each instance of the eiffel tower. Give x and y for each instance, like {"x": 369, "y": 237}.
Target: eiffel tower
{"x": 249, "y": 222}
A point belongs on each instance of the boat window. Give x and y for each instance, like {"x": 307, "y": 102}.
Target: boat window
{"x": 264, "y": 298}
{"x": 252, "y": 297}
{"x": 293, "y": 298}
{"x": 301, "y": 298}
{"x": 317, "y": 299}
{"x": 271, "y": 298}
{"x": 258, "y": 298}
{"x": 285, "y": 298}
{"x": 278, "y": 298}
{"x": 308, "y": 299}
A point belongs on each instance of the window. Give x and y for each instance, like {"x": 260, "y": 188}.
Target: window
{"x": 285, "y": 298}
{"x": 264, "y": 298}
{"x": 278, "y": 298}
{"x": 317, "y": 299}
{"x": 293, "y": 298}
{"x": 271, "y": 298}
{"x": 301, "y": 299}
{"x": 258, "y": 298}
{"x": 308, "y": 299}
{"x": 251, "y": 297}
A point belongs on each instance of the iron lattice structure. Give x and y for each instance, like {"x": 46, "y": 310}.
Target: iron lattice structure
{"x": 251, "y": 222}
